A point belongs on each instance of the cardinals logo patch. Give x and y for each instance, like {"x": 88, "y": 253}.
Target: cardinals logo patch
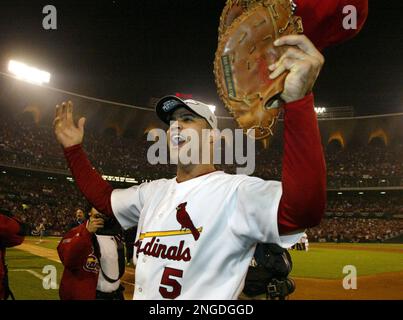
{"x": 92, "y": 264}
{"x": 185, "y": 221}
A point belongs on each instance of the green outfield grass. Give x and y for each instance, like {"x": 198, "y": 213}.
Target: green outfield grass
{"x": 48, "y": 242}
{"x": 24, "y": 284}
{"x": 322, "y": 261}
{"x": 328, "y": 263}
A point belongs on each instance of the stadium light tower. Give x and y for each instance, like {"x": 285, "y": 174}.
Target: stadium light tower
{"x": 28, "y": 73}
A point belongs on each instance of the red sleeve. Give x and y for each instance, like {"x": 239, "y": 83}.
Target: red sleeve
{"x": 9, "y": 229}
{"x": 323, "y": 20}
{"x": 89, "y": 181}
{"x": 75, "y": 247}
{"x": 304, "y": 172}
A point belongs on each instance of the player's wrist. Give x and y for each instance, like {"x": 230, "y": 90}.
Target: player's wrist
{"x": 308, "y": 99}
{"x": 72, "y": 147}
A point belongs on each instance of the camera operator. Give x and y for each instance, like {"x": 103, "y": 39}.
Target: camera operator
{"x": 268, "y": 273}
{"x": 93, "y": 258}
{"x": 12, "y": 233}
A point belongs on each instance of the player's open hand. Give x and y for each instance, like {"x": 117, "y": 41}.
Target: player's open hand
{"x": 67, "y": 133}
{"x": 303, "y": 61}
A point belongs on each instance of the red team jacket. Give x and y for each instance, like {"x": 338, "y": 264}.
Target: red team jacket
{"x": 81, "y": 266}
{"x": 9, "y": 229}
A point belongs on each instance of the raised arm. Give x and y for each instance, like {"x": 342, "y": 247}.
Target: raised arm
{"x": 303, "y": 200}
{"x": 96, "y": 190}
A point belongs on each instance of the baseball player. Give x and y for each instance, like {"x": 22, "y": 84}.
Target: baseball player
{"x": 197, "y": 232}
{"x": 305, "y": 242}
{"x": 40, "y": 230}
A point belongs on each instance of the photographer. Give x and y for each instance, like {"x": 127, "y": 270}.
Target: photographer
{"x": 93, "y": 258}
{"x": 268, "y": 274}
{"x": 12, "y": 234}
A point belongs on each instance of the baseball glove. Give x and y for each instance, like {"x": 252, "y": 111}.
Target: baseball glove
{"x": 245, "y": 51}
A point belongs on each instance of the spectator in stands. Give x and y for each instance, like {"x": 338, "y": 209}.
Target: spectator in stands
{"x": 80, "y": 218}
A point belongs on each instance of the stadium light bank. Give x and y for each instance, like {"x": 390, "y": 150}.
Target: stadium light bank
{"x": 320, "y": 110}
{"x": 28, "y": 73}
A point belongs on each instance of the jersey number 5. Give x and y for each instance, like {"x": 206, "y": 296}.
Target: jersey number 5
{"x": 169, "y": 282}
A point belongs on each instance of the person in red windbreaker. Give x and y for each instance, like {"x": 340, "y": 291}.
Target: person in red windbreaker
{"x": 93, "y": 262}
{"x": 11, "y": 234}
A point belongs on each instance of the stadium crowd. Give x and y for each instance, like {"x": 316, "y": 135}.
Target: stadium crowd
{"x": 356, "y": 230}
{"x": 35, "y": 201}
{"x": 363, "y": 204}
{"x": 369, "y": 166}
{"x": 31, "y": 146}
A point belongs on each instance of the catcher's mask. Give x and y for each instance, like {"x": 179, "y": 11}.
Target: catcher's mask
{"x": 167, "y": 105}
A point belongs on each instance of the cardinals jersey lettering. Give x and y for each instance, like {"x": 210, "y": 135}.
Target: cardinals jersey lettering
{"x": 197, "y": 238}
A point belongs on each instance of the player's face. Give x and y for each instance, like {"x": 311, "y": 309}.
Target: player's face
{"x": 186, "y": 127}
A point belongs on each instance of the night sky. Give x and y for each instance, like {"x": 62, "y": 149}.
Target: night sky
{"x": 130, "y": 51}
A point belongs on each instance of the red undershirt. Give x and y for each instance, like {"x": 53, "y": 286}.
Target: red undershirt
{"x": 303, "y": 200}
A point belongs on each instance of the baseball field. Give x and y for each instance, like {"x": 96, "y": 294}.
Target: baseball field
{"x": 318, "y": 273}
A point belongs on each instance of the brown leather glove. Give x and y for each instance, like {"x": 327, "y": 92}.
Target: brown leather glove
{"x": 245, "y": 51}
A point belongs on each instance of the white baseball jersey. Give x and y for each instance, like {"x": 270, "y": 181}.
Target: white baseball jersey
{"x": 197, "y": 238}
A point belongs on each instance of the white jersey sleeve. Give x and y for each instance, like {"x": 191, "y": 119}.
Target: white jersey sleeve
{"x": 127, "y": 204}
{"x": 255, "y": 216}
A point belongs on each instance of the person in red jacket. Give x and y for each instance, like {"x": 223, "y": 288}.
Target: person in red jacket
{"x": 11, "y": 235}
{"x": 93, "y": 263}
